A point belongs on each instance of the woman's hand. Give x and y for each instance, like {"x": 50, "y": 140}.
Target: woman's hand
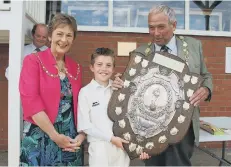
{"x": 117, "y": 83}
{"x": 65, "y": 141}
{"x": 43, "y": 121}
{"x": 118, "y": 142}
{"x": 79, "y": 140}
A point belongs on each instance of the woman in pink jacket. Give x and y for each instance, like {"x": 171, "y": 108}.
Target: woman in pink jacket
{"x": 49, "y": 85}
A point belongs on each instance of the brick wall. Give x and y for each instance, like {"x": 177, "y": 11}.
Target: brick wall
{"x": 214, "y": 52}
{"x": 4, "y": 51}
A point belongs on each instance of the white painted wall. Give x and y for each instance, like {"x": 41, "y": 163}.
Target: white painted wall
{"x": 4, "y": 6}
{"x": 16, "y": 43}
{"x": 18, "y": 19}
{"x": 36, "y": 10}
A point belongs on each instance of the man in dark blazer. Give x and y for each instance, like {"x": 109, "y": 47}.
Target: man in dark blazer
{"x": 162, "y": 24}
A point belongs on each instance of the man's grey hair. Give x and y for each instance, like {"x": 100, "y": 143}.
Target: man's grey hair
{"x": 166, "y": 10}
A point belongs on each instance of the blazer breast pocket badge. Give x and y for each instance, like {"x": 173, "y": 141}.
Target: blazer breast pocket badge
{"x": 95, "y": 104}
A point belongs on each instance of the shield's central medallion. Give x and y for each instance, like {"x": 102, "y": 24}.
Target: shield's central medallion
{"x": 152, "y": 106}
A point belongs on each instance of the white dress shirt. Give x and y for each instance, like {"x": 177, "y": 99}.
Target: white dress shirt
{"x": 92, "y": 112}
{"x": 171, "y": 45}
{"x": 28, "y": 49}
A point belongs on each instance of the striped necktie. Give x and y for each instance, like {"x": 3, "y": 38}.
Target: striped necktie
{"x": 164, "y": 48}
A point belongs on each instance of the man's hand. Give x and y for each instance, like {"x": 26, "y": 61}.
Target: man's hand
{"x": 200, "y": 95}
{"x": 118, "y": 142}
{"x": 117, "y": 83}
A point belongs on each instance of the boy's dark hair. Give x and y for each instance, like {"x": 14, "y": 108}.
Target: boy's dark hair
{"x": 102, "y": 52}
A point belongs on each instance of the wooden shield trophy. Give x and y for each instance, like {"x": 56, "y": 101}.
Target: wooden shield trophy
{"x": 152, "y": 110}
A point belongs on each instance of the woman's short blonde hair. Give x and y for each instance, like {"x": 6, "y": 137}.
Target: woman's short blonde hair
{"x": 61, "y": 19}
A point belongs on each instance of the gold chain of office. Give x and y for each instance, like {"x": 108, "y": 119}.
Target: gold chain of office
{"x": 58, "y": 75}
{"x": 185, "y": 49}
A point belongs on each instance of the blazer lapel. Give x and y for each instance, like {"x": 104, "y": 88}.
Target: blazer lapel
{"x": 180, "y": 51}
{"x": 72, "y": 70}
{"x": 75, "y": 84}
{"x": 71, "y": 67}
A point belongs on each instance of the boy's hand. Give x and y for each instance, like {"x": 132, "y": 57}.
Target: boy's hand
{"x": 117, "y": 83}
{"x": 118, "y": 142}
{"x": 80, "y": 138}
{"x": 144, "y": 156}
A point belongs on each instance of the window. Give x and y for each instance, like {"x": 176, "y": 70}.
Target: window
{"x": 210, "y": 16}
{"x": 193, "y": 17}
{"x": 87, "y": 13}
{"x": 137, "y": 12}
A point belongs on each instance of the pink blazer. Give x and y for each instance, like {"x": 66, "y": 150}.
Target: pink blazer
{"x": 41, "y": 92}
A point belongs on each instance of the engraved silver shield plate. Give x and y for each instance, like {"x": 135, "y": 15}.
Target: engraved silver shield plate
{"x": 152, "y": 110}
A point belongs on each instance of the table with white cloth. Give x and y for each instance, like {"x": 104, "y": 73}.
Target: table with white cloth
{"x": 220, "y": 122}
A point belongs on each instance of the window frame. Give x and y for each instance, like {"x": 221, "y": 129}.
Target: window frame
{"x": 185, "y": 31}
